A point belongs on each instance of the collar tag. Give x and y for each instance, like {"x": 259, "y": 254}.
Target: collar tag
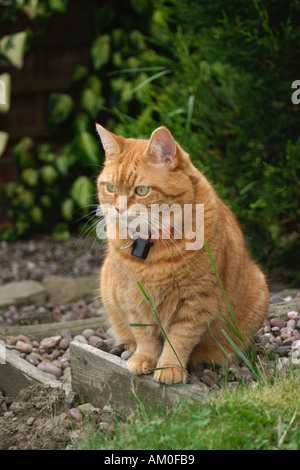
{"x": 141, "y": 248}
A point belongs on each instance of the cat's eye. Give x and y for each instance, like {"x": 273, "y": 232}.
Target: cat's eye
{"x": 142, "y": 190}
{"x": 111, "y": 188}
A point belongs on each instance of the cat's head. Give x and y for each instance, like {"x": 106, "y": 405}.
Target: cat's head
{"x": 154, "y": 171}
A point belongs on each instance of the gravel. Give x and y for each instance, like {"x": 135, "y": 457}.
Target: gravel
{"x": 280, "y": 343}
{"x": 277, "y": 342}
{"x": 44, "y": 256}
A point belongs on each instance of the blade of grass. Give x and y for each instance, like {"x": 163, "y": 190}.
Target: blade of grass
{"x": 148, "y": 298}
{"x": 231, "y": 326}
{"x": 221, "y": 285}
{"x": 219, "y": 344}
{"x": 142, "y": 324}
{"x": 190, "y": 109}
{"x": 137, "y": 70}
{"x": 145, "y": 82}
{"x": 143, "y": 292}
{"x": 242, "y": 355}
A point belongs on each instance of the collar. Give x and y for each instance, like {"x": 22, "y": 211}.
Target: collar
{"x": 158, "y": 236}
{"x": 141, "y": 246}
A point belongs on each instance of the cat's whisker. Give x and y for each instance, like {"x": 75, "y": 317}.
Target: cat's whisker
{"x": 89, "y": 230}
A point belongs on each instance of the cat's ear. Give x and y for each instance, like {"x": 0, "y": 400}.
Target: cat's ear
{"x": 162, "y": 147}
{"x": 109, "y": 142}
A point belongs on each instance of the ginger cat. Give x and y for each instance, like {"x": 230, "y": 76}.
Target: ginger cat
{"x": 181, "y": 283}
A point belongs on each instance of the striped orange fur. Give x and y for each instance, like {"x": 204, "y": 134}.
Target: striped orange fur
{"x": 181, "y": 283}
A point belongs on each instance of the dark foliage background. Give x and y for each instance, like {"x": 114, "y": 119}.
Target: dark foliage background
{"x": 218, "y": 74}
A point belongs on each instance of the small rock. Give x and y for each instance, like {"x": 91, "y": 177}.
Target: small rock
{"x": 296, "y": 335}
{"x": 291, "y": 324}
{"x": 64, "y": 344}
{"x": 247, "y": 374}
{"x": 80, "y": 339}
{"x": 283, "y": 364}
{"x": 23, "y": 338}
{"x": 292, "y": 315}
{"x": 275, "y": 329}
{"x": 86, "y": 408}
{"x": 275, "y": 299}
{"x": 21, "y": 293}
{"x": 94, "y": 340}
{"x": 65, "y": 365}
{"x": 108, "y": 409}
{"x": 269, "y": 337}
{"x": 75, "y": 414}
{"x": 278, "y": 340}
{"x": 296, "y": 345}
{"x": 278, "y": 322}
{"x": 32, "y": 359}
{"x": 88, "y": 332}
{"x": 283, "y": 350}
{"x": 207, "y": 379}
{"x": 30, "y": 421}
{"x": 117, "y": 351}
{"x": 126, "y": 355}
{"x": 50, "y": 369}
{"x": 48, "y": 343}
{"x": 286, "y": 333}
{"x": 24, "y": 347}
{"x": 55, "y": 354}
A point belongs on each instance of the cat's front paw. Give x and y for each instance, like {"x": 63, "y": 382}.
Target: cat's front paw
{"x": 170, "y": 374}
{"x": 140, "y": 364}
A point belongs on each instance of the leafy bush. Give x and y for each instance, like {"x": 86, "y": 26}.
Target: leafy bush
{"x": 57, "y": 184}
{"x": 219, "y": 75}
{"x": 228, "y": 102}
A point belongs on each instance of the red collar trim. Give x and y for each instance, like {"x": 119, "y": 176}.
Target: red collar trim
{"x": 157, "y": 237}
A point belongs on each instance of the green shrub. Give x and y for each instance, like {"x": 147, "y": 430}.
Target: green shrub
{"x": 228, "y": 102}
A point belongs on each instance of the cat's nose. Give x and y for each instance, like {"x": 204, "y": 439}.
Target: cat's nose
{"x": 121, "y": 210}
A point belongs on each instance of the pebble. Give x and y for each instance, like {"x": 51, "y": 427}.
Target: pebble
{"x": 64, "y": 344}
{"x": 32, "y": 360}
{"x": 278, "y": 322}
{"x": 286, "y": 333}
{"x": 291, "y": 324}
{"x": 275, "y": 299}
{"x": 116, "y": 351}
{"x": 50, "y": 369}
{"x": 126, "y": 355}
{"x": 94, "y": 340}
{"x": 80, "y": 339}
{"x": 75, "y": 414}
{"x": 293, "y": 315}
{"x": 87, "y": 408}
{"x": 24, "y": 347}
{"x": 88, "y": 332}
{"x": 49, "y": 343}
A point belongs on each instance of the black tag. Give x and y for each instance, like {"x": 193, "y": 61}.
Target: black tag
{"x": 141, "y": 248}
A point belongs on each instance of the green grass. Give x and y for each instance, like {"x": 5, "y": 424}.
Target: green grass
{"x": 260, "y": 417}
